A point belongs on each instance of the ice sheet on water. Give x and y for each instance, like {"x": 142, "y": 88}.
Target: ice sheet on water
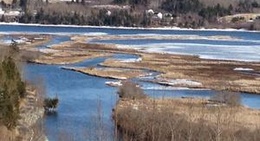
{"x": 131, "y": 60}
{"x": 207, "y": 51}
{"x": 243, "y": 69}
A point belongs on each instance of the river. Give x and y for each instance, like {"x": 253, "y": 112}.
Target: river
{"x": 84, "y": 98}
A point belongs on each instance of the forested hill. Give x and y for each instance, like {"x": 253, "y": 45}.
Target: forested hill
{"x": 143, "y": 13}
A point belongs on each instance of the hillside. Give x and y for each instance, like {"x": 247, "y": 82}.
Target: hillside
{"x": 141, "y": 13}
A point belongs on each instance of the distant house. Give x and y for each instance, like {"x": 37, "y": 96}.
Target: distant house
{"x": 11, "y": 16}
{"x": 168, "y": 15}
{"x": 108, "y": 13}
{"x": 1, "y": 12}
{"x": 150, "y": 12}
{"x": 157, "y": 16}
{"x": 12, "y": 13}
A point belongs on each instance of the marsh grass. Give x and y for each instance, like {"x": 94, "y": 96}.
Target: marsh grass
{"x": 185, "y": 119}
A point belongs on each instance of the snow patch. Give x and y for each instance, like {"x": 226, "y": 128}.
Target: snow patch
{"x": 131, "y": 28}
{"x": 114, "y": 83}
{"x": 243, "y": 69}
{"x": 164, "y": 88}
{"x": 95, "y": 34}
{"x": 46, "y": 50}
{"x": 132, "y": 60}
{"x": 180, "y": 82}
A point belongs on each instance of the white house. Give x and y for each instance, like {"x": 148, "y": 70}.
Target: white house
{"x": 150, "y": 11}
{"x": 12, "y": 13}
{"x": 157, "y": 16}
{"x": 160, "y": 15}
{"x": 1, "y": 11}
{"x": 108, "y": 13}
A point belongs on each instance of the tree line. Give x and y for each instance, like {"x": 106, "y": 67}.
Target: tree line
{"x": 185, "y": 13}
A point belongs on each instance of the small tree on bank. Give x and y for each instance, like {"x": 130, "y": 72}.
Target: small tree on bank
{"x": 51, "y": 104}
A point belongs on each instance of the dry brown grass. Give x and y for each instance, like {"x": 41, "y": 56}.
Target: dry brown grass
{"x": 67, "y": 53}
{"x": 67, "y": 58}
{"x": 110, "y": 72}
{"x": 185, "y": 119}
{"x": 7, "y": 135}
{"x": 199, "y": 109}
{"x": 213, "y": 74}
{"x": 84, "y": 38}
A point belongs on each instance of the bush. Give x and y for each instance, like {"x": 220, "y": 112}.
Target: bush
{"x": 130, "y": 90}
{"x": 229, "y": 98}
{"x": 50, "y": 104}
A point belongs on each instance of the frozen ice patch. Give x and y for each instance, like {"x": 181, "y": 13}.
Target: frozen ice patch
{"x": 243, "y": 69}
{"x": 132, "y": 60}
{"x": 164, "y": 88}
{"x": 114, "y": 83}
{"x": 95, "y": 34}
{"x": 180, "y": 82}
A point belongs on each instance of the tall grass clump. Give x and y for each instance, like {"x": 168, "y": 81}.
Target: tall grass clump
{"x": 130, "y": 90}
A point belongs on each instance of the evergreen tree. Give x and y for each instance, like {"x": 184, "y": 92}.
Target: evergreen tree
{"x": 12, "y": 89}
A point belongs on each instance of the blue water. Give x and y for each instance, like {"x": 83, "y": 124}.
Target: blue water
{"x": 248, "y": 100}
{"x": 80, "y": 95}
{"x": 55, "y": 40}
{"x": 195, "y": 41}
{"x": 82, "y": 30}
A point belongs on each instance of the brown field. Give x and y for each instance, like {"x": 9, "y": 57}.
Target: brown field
{"x": 184, "y": 119}
{"x": 197, "y": 109}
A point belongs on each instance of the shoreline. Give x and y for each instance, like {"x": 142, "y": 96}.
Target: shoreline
{"x": 95, "y": 75}
{"x": 173, "y": 28}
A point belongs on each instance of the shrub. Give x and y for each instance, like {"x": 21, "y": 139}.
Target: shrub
{"x": 229, "y": 98}
{"x": 130, "y": 90}
{"x": 50, "y": 104}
